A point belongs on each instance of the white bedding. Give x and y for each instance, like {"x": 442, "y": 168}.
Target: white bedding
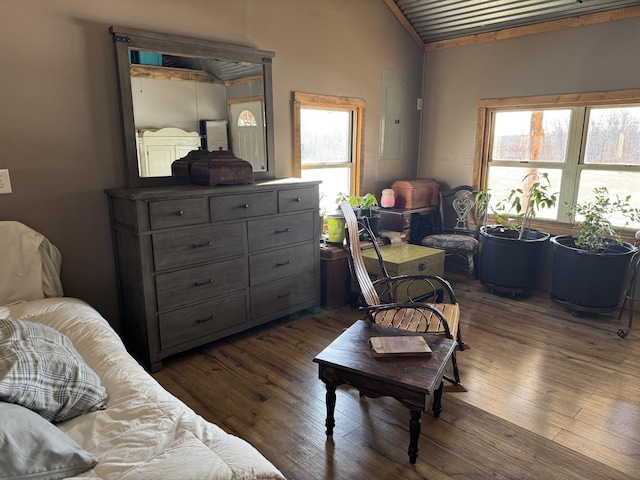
{"x": 144, "y": 432}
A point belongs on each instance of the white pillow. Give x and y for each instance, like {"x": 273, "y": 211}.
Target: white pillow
{"x": 30, "y": 264}
{"x": 42, "y": 371}
{"x": 31, "y": 447}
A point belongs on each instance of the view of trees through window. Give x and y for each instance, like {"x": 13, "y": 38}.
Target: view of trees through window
{"x": 613, "y": 136}
{"x": 580, "y": 148}
{"x": 326, "y": 138}
{"x": 527, "y": 135}
{"x": 328, "y": 144}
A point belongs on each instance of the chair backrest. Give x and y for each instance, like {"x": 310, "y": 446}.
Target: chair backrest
{"x": 432, "y": 318}
{"x": 459, "y": 212}
{"x": 356, "y": 262}
{"x": 386, "y": 285}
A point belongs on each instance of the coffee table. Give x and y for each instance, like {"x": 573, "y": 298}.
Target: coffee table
{"x": 410, "y": 380}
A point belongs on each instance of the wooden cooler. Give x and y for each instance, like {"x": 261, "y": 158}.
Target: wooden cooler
{"x": 406, "y": 259}
{"x": 418, "y": 193}
{"x": 335, "y": 276}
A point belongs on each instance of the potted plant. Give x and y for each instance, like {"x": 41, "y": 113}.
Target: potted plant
{"x": 364, "y": 206}
{"x": 368, "y": 203}
{"x": 511, "y": 251}
{"x": 322, "y": 215}
{"x": 589, "y": 268}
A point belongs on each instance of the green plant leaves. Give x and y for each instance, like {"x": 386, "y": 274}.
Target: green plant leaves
{"x": 525, "y": 204}
{"x": 595, "y": 227}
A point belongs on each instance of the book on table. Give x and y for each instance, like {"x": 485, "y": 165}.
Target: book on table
{"x": 400, "y": 346}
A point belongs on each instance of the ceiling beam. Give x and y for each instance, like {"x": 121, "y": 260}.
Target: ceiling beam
{"x": 405, "y": 23}
{"x": 579, "y": 21}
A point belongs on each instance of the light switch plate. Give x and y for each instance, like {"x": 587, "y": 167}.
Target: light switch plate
{"x": 5, "y": 181}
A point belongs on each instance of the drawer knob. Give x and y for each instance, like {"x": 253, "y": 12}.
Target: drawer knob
{"x": 298, "y": 200}
{"x": 180, "y": 213}
{"x": 422, "y": 266}
{"x": 283, "y": 230}
{"x": 206, "y": 319}
{"x": 246, "y": 205}
{"x": 200, "y": 283}
{"x": 284, "y": 295}
{"x": 282, "y": 264}
{"x": 202, "y": 244}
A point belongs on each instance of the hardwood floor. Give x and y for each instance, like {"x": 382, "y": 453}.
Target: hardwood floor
{"x": 550, "y": 396}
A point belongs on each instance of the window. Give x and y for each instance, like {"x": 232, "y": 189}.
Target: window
{"x": 581, "y": 141}
{"x": 246, "y": 119}
{"x": 328, "y": 144}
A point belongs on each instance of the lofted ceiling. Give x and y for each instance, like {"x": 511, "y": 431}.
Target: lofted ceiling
{"x": 433, "y": 22}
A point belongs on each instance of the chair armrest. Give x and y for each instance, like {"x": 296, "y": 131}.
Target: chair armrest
{"x": 414, "y": 288}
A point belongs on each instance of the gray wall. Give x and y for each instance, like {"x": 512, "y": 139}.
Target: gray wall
{"x": 60, "y": 115}
{"x": 585, "y": 59}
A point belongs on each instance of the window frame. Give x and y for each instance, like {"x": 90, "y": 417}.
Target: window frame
{"x": 579, "y": 103}
{"x": 357, "y": 107}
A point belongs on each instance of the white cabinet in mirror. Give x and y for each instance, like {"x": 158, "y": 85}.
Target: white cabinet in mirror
{"x": 158, "y": 148}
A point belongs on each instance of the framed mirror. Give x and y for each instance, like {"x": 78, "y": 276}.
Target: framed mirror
{"x": 180, "y": 94}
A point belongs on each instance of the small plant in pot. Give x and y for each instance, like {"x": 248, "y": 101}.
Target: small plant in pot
{"x": 589, "y": 268}
{"x": 364, "y": 206}
{"x": 511, "y": 251}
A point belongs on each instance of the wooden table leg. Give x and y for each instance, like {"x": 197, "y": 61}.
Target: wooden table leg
{"x": 331, "y": 407}
{"x": 437, "y": 400}
{"x": 414, "y": 435}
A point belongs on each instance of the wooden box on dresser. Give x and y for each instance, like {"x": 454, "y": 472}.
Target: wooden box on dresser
{"x": 196, "y": 263}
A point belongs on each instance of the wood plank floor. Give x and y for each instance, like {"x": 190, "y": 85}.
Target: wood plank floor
{"x": 551, "y": 396}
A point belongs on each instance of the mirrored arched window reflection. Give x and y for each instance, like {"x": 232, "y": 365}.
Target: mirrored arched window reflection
{"x": 246, "y": 119}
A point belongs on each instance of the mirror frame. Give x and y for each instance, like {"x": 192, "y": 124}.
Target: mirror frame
{"x": 125, "y": 38}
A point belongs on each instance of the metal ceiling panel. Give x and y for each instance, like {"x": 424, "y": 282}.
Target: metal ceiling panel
{"x": 437, "y": 20}
{"x": 222, "y": 70}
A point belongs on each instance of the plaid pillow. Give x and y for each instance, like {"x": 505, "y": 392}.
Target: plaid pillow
{"x": 42, "y": 371}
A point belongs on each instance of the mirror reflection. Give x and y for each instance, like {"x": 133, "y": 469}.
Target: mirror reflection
{"x": 179, "y": 93}
{"x": 182, "y": 103}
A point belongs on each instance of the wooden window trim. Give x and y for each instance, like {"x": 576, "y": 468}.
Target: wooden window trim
{"x": 327, "y": 102}
{"x": 590, "y": 99}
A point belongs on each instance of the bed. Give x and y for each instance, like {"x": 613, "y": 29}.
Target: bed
{"x": 73, "y": 402}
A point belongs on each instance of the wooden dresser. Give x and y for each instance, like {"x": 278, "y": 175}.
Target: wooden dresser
{"x": 196, "y": 264}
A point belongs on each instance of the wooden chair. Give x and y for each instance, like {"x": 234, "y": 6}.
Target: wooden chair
{"x": 434, "y": 309}
{"x": 459, "y": 230}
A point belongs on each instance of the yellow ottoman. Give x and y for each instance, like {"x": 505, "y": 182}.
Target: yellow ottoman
{"x": 406, "y": 259}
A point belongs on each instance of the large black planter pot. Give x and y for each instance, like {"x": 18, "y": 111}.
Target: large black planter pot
{"x": 510, "y": 265}
{"x": 586, "y": 281}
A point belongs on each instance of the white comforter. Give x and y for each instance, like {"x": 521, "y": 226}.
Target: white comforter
{"x": 145, "y": 432}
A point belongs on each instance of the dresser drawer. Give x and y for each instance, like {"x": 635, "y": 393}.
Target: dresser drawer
{"x": 200, "y": 283}
{"x": 279, "y": 231}
{"x": 283, "y": 296}
{"x": 197, "y": 245}
{"x": 285, "y": 262}
{"x": 197, "y": 321}
{"x": 231, "y": 207}
{"x": 177, "y": 213}
{"x": 297, "y": 199}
